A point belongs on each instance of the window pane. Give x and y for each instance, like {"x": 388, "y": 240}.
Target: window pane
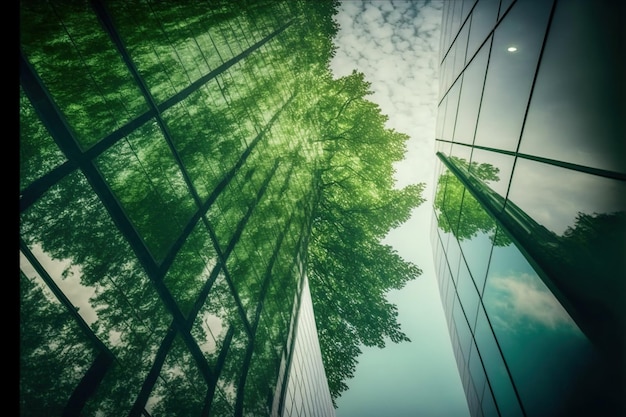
{"x": 460, "y": 46}
{"x": 504, "y": 6}
{"x": 448, "y": 201}
{"x": 495, "y": 368}
{"x": 574, "y": 224}
{"x": 483, "y": 21}
{"x": 559, "y": 195}
{"x": 50, "y": 339}
{"x": 467, "y": 294}
{"x": 510, "y": 74}
{"x": 180, "y": 388}
{"x": 80, "y": 67}
{"x": 535, "y": 332}
{"x": 469, "y": 103}
{"x": 477, "y": 372}
{"x": 576, "y": 111}
{"x": 38, "y": 152}
{"x": 143, "y": 174}
{"x": 494, "y": 170}
{"x": 451, "y": 108}
{"x": 465, "y": 336}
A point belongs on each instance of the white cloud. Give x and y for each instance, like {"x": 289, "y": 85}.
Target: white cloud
{"x": 372, "y": 14}
{"x": 524, "y": 302}
{"x": 395, "y": 45}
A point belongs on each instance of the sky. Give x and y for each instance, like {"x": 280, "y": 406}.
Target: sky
{"x": 395, "y": 44}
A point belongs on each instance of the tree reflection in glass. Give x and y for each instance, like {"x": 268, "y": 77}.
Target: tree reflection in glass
{"x": 50, "y": 340}
{"x": 536, "y": 333}
{"x": 461, "y": 213}
{"x": 557, "y": 298}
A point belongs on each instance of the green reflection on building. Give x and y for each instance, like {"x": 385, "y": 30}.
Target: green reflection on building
{"x": 164, "y": 207}
{"x": 530, "y": 236}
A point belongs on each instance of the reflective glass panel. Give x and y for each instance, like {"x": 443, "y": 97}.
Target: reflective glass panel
{"x": 535, "y": 332}
{"x": 477, "y": 251}
{"x": 483, "y": 20}
{"x": 455, "y": 23}
{"x": 494, "y": 170}
{"x": 180, "y": 388}
{"x": 50, "y": 339}
{"x": 495, "y": 368}
{"x": 191, "y": 269}
{"x": 80, "y": 67}
{"x": 461, "y": 153}
{"x": 488, "y": 405}
{"x": 204, "y": 160}
{"x": 38, "y": 151}
{"x": 574, "y": 224}
{"x": 441, "y": 115}
{"x": 450, "y": 295}
{"x": 451, "y": 108}
{"x": 560, "y": 195}
{"x": 453, "y": 254}
{"x": 514, "y": 53}
{"x": 576, "y": 111}
{"x": 467, "y": 7}
{"x": 462, "y": 328}
{"x": 461, "y": 46}
{"x": 448, "y": 75}
{"x": 469, "y": 102}
{"x": 504, "y": 6}
{"x": 467, "y": 294}
{"x": 149, "y": 184}
{"x": 226, "y": 387}
{"x": 448, "y": 200}
{"x": 214, "y": 319}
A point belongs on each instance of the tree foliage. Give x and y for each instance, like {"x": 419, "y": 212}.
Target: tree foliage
{"x": 350, "y": 270}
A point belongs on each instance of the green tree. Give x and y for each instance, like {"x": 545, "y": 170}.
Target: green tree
{"x": 350, "y": 270}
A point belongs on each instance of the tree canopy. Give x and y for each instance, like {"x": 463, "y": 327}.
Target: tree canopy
{"x": 350, "y": 270}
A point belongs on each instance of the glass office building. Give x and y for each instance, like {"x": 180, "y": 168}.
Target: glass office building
{"x": 529, "y": 226}
{"x": 164, "y": 211}
{"x": 305, "y": 391}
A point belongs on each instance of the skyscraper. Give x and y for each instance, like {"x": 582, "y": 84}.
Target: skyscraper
{"x": 164, "y": 211}
{"x": 529, "y": 226}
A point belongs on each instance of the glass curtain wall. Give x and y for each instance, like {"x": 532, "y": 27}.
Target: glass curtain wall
{"x": 305, "y": 389}
{"x": 529, "y": 224}
{"x": 164, "y": 207}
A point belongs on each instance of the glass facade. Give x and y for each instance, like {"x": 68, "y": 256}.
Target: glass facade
{"x": 164, "y": 211}
{"x": 529, "y": 222}
{"x": 305, "y": 391}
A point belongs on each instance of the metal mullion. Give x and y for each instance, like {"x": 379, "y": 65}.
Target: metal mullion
{"x": 567, "y": 165}
{"x": 52, "y": 118}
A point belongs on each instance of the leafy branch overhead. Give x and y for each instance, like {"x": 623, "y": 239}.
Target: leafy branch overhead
{"x": 350, "y": 270}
